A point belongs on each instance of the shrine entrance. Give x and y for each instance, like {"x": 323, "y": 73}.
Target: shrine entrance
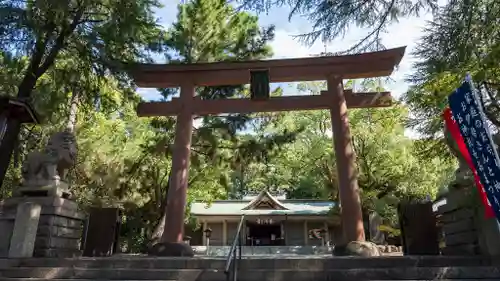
{"x": 259, "y": 74}
{"x": 264, "y": 234}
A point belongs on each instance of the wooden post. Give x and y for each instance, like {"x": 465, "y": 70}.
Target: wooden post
{"x": 205, "y": 227}
{"x": 282, "y": 233}
{"x": 177, "y": 192}
{"x": 327, "y": 233}
{"x": 352, "y": 217}
{"x": 285, "y": 230}
{"x": 224, "y": 233}
{"x": 306, "y": 233}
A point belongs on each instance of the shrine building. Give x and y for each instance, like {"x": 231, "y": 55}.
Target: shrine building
{"x": 268, "y": 221}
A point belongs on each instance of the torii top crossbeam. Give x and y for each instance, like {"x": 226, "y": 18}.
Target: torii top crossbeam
{"x": 366, "y": 65}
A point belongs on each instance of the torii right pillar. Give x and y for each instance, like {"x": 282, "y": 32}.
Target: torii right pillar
{"x": 352, "y": 216}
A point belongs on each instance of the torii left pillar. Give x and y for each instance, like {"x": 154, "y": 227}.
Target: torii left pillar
{"x": 179, "y": 176}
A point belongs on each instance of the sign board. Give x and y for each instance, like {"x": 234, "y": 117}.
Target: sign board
{"x": 468, "y": 113}
{"x": 454, "y": 130}
{"x": 419, "y": 232}
{"x": 102, "y": 232}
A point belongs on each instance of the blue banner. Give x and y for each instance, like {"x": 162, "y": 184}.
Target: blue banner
{"x": 468, "y": 113}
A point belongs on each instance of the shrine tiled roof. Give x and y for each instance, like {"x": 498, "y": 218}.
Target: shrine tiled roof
{"x": 273, "y": 207}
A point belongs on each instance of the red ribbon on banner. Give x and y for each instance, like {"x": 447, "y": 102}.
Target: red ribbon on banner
{"x": 452, "y": 126}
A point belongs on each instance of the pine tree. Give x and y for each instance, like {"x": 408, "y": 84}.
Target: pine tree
{"x": 211, "y": 31}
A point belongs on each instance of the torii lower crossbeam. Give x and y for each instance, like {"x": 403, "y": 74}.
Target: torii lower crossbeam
{"x": 286, "y": 103}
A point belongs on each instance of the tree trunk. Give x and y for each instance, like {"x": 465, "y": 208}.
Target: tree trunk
{"x": 366, "y": 221}
{"x": 160, "y": 226}
{"x": 73, "y": 111}
{"x": 17, "y": 149}
{"x": 7, "y": 146}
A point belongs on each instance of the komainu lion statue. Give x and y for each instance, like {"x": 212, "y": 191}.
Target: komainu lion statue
{"x": 49, "y": 166}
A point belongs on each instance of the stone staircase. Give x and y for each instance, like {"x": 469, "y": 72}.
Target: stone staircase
{"x": 271, "y": 268}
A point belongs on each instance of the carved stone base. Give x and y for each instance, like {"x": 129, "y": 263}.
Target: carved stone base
{"x": 60, "y": 190}
{"x": 59, "y": 228}
{"x": 357, "y": 248}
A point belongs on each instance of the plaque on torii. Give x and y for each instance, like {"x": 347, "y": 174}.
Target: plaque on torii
{"x": 259, "y": 74}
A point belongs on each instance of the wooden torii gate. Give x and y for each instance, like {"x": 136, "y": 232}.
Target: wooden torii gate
{"x": 332, "y": 69}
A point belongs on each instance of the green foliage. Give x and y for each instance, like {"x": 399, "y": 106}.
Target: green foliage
{"x": 64, "y": 53}
{"x": 232, "y": 35}
{"x": 457, "y": 41}
{"x": 58, "y": 48}
{"x": 100, "y": 33}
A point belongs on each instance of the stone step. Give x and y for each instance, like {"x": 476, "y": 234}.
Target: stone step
{"x": 282, "y": 250}
{"x": 253, "y": 263}
{"x": 42, "y": 279}
{"x": 409, "y": 273}
{"x": 223, "y": 251}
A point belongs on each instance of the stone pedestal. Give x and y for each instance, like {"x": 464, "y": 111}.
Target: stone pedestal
{"x": 59, "y": 229}
{"x": 464, "y": 226}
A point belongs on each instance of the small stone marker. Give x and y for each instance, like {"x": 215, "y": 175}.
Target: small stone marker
{"x": 22, "y": 243}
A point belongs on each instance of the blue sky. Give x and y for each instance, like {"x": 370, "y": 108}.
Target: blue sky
{"x": 404, "y": 33}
